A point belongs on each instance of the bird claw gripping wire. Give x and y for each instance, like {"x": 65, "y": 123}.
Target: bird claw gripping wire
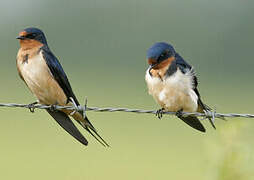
{"x": 159, "y": 113}
{"x": 179, "y": 113}
{"x": 31, "y": 106}
{"x": 53, "y": 107}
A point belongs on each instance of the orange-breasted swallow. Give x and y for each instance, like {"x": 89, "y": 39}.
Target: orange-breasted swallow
{"x": 46, "y": 79}
{"x": 173, "y": 84}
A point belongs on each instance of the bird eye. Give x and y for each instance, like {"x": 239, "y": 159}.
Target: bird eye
{"x": 164, "y": 54}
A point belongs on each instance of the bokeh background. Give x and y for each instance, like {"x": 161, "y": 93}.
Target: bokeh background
{"x": 102, "y": 45}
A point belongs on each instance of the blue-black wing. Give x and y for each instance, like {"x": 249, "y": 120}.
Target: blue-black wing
{"x": 61, "y": 78}
{"x": 58, "y": 73}
{"x": 185, "y": 67}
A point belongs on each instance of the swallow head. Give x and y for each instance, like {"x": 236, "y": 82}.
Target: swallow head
{"x": 159, "y": 52}
{"x": 32, "y": 36}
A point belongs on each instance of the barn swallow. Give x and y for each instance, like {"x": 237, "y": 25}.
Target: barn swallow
{"x": 173, "y": 84}
{"x": 41, "y": 71}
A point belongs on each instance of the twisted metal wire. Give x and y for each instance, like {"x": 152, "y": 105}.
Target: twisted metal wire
{"x": 83, "y": 109}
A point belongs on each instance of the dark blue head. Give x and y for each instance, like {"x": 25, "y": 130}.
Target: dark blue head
{"x": 32, "y": 34}
{"x": 159, "y": 52}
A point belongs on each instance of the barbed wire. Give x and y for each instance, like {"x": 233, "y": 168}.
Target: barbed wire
{"x": 83, "y": 109}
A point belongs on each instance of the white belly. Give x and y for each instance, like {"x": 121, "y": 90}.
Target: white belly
{"x": 173, "y": 93}
{"x": 38, "y": 78}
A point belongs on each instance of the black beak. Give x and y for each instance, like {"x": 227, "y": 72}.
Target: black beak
{"x": 20, "y": 37}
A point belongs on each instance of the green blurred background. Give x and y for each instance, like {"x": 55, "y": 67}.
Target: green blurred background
{"x": 102, "y": 45}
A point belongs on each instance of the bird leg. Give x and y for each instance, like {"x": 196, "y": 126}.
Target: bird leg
{"x": 31, "y": 106}
{"x": 159, "y": 113}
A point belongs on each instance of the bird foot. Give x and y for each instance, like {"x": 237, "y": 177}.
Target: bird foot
{"x": 179, "y": 113}
{"x": 53, "y": 107}
{"x": 31, "y": 106}
{"x": 159, "y": 113}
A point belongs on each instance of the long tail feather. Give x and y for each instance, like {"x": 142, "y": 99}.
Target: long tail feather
{"x": 65, "y": 122}
{"x": 193, "y": 122}
{"x": 101, "y": 142}
{"x": 90, "y": 128}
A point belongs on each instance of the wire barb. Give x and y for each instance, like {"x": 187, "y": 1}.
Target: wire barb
{"x": 75, "y": 105}
{"x": 83, "y": 109}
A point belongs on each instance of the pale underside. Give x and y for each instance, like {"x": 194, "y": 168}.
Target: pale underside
{"x": 39, "y": 80}
{"x": 41, "y": 83}
{"x": 173, "y": 93}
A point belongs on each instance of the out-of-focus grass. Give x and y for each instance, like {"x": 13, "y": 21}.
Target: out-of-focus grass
{"x": 231, "y": 155}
